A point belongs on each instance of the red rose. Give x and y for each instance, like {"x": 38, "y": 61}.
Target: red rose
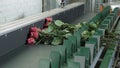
{"x": 49, "y": 19}
{"x": 31, "y": 41}
{"x": 34, "y": 35}
{"x": 33, "y": 29}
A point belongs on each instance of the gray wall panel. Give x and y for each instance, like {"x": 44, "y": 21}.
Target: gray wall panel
{"x": 11, "y": 41}
{"x": 39, "y": 24}
{"x": 15, "y": 39}
{"x": 55, "y": 17}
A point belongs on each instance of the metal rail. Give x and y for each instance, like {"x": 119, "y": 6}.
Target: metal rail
{"x": 102, "y": 48}
{"x": 97, "y": 58}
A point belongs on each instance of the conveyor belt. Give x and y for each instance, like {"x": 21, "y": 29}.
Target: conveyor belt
{"x": 28, "y": 57}
{"x": 115, "y": 28}
{"x": 116, "y": 59}
{"x": 113, "y": 62}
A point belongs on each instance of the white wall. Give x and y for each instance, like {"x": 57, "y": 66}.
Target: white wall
{"x": 15, "y": 9}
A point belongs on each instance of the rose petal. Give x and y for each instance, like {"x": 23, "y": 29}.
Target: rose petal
{"x": 31, "y": 41}
{"x": 34, "y": 35}
{"x": 33, "y": 29}
{"x": 48, "y": 19}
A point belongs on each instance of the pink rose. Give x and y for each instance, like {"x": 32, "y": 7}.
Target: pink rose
{"x": 31, "y": 41}
{"x": 48, "y": 19}
{"x": 34, "y": 35}
{"x": 33, "y": 29}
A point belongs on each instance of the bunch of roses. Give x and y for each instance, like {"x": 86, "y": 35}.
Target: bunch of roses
{"x": 34, "y": 32}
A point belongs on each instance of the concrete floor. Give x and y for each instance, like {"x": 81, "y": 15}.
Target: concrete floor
{"x": 28, "y": 57}
{"x": 25, "y": 57}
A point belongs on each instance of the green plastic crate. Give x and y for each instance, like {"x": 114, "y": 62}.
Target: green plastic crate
{"x": 107, "y": 58}
{"x": 84, "y": 51}
{"x": 78, "y": 36}
{"x": 114, "y": 12}
{"x": 69, "y": 48}
{"x": 92, "y": 50}
{"x": 94, "y": 41}
{"x": 55, "y": 59}
{"x": 113, "y": 15}
{"x": 107, "y": 21}
{"x": 99, "y": 32}
{"x": 80, "y": 31}
{"x": 73, "y": 39}
{"x": 103, "y": 26}
{"x": 111, "y": 19}
{"x": 63, "y": 53}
